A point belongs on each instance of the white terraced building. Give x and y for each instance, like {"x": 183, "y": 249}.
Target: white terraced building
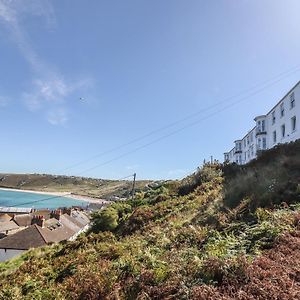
{"x": 278, "y": 126}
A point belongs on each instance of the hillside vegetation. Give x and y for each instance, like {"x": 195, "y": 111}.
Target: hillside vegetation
{"x": 98, "y": 188}
{"x": 226, "y": 232}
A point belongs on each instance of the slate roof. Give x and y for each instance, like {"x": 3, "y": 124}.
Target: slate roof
{"x": 68, "y": 221}
{"x": 5, "y": 218}
{"x": 60, "y": 230}
{"x": 27, "y": 238}
{"x": 17, "y": 210}
{"x": 23, "y": 220}
{"x": 80, "y": 217}
{"x": 35, "y": 236}
{"x": 62, "y": 233}
{"x": 8, "y": 225}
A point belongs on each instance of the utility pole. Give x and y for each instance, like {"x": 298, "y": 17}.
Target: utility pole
{"x": 133, "y": 186}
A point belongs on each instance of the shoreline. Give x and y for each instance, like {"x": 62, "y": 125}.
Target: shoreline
{"x": 60, "y": 194}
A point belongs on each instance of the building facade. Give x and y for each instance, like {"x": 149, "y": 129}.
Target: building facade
{"x": 278, "y": 126}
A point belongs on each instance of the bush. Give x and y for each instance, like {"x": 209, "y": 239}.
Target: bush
{"x": 205, "y": 174}
{"x": 105, "y": 220}
{"x": 109, "y": 218}
{"x": 269, "y": 180}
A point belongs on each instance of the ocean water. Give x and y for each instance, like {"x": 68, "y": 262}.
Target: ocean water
{"x": 32, "y": 200}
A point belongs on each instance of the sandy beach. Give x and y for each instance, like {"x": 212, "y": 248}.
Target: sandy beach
{"x": 62, "y": 194}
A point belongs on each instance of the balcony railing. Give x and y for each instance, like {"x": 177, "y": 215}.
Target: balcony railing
{"x": 260, "y": 131}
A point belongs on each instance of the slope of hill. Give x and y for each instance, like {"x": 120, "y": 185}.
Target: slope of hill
{"x": 226, "y": 232}
{"x": 97, "y": 188}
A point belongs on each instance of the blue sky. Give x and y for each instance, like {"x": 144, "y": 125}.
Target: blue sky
{"x": 139, "y": 66}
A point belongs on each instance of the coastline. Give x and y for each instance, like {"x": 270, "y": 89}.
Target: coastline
{"x": 60, "y": 194}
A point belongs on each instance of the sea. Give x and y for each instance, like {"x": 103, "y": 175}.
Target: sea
{"x": 38, "y": 201}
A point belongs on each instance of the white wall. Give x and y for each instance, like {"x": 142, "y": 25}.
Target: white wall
{"x": 286, "y": 119}
{"x": 289, "y": 113}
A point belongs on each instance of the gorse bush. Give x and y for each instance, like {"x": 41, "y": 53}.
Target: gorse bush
{"x": 267, "y": 181}
{"x": 205, "y": 174}
{"x": 109, "y": 218}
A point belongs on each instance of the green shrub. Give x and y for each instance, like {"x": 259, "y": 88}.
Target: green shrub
{"x": 105, "y": 220}
{"x": 207, "y": 173}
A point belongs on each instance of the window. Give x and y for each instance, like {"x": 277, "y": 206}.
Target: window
{"x": 281, "y": 109}
{"x": 244, "y": 143}
{"x": 283, "y": 130}
{"x": 259, "y": 144}
{"x": 263, "y": 127}
{"x": 294, "y": 121}
{"x": 273, "y": 117}
{"x": 252, "y": 151}
{"x": 264, "y": 143}
{"x": 292, "y": 100}
{"x": 274, "y": 136}
{"x": 238, "y": 146}
{"x": 251, "y": 137}
{"x": 248, "y": 140}
{"x": 258, "y": 129}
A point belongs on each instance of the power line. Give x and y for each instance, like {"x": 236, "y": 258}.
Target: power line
{"x": 35, "y": 201}
{"x": 287, "y": 73}
{"x": 53, "y": 197}
{"x": 181, "y": 129}
{"x": 283, "y": 74}
{"x": 122, "y": 178}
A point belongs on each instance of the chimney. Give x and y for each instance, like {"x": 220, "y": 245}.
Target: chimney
{"x": 67, "y": 211}
{"x": 38, "y": 220}
{"x": 56, "y": 214}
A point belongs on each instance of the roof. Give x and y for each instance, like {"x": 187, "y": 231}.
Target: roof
{"x": 283, "y": 97}
{"x": 253, "y": 129}
{"x": 80, "y": 217}
{"x": 259, "y": 117}
{"x": 24, "y": 239}
{"x": 15, "y": 210}
{"x": 68, "y": 221}
{"x": 8, "y": 225}
{"x": 23, "y": 220}
{"x": 58, "y": 234}
{"x": 5, "y": 218}
{"x": 35, "y": 236}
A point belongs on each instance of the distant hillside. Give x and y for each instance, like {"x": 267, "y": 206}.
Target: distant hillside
{"x": 98, "y": 188}
{"x": 225, "y": 232}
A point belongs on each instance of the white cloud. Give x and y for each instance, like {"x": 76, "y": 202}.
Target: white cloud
{"x": 10, "y": 10}
{"x": 49, "y": 91}
{"x": 51, "y": 97}
{"x": 6, "y": 12}
{"x": 44, "y": 92}
{"x": 10, "y": 13}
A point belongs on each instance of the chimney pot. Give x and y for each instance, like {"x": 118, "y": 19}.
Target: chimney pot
{"x": 38, "y": 220}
